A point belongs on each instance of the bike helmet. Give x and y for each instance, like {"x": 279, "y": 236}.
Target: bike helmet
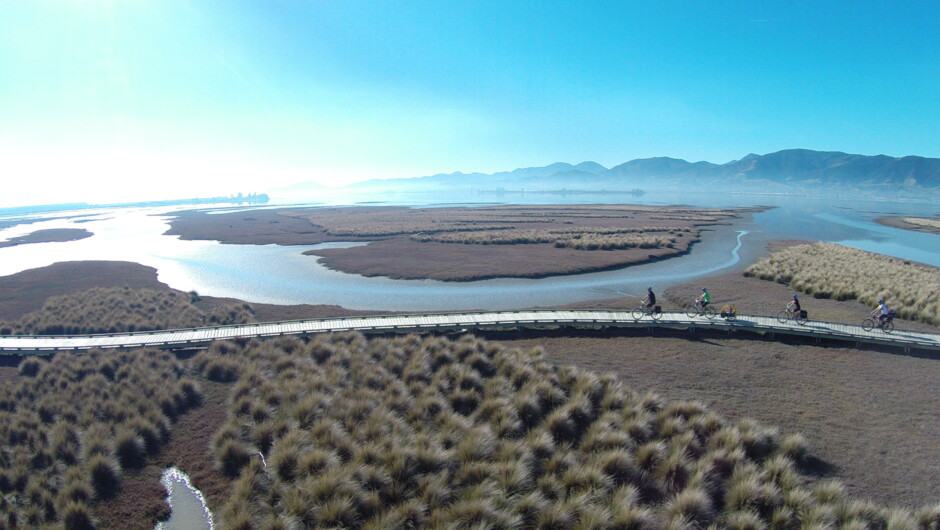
{"x": 704, "y": 288}
{"x": 649, "y": 288}
{"x": 795, "y": 295}
{"x": 881, "y": 300}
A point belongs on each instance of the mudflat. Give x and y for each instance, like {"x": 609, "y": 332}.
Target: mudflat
{"x": 51, "y": 235}
{"x": 28, "y": 290}
{"x": 462, "y": 243}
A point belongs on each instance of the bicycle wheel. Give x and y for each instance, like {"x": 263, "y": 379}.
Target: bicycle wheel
{"x": 656, "y": 315}
{"x": 868, "y": 324}
{"x": 638, "y": 313}
{"x": 887, "y": 327}
{"x": 709, "y": 312}
{"x": 800, "y": 319}
{"x": 783, "y": 316}
{"x": 692, "y": 311}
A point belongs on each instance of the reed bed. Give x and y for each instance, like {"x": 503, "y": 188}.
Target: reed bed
{"x": 377, "y": 230}
{"x": 828, "y": 270}
{"x": 112, "y": 310}
{"x": 594, "y": 238}
{"x": 423, "y": 222}
{"x": 923, "y": 221}
{"x": 71, "y": 425}
{"x": 415, "y": 432}
{"x": 617, "y": 241}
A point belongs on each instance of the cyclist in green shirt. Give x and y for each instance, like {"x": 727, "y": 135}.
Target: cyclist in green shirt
{"x": 705, "y": 298}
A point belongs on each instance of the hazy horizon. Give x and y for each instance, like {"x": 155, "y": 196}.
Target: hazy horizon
{"x": 112, "y": 101}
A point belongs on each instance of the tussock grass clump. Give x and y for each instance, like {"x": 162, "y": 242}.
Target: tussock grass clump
{"x": 427, "y": 432}
{"x": 30, "y": 367}
{"x": 130, "y": 449}
{"x": 77, "y": 516}
{"x": 120, "y": 309}
{"x": 74, "y": 422}
{"x": 105, "y": 475}
{"x": 828, "y": 270}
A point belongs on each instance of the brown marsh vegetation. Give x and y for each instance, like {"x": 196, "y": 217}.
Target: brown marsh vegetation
{"x": 118, "y": 309}
{"x": 926, "y": 222}
{"x": 581, "y": 239}
{"x": 462, "y": 243}
{"x": 71, "y": 426}
{"x": 920, "y": 224}
{"x": 413, "y": 431}
{"x": 359, "y": 222}
{"x": 28, "y": 291}
{"x": 51, "y": 235}
{"x": 828, "y": 270}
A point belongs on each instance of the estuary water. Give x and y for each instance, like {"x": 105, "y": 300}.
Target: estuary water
{"x": 283, "y": 275}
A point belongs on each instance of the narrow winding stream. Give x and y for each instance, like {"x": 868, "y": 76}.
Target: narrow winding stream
{"x": 189, "y": 510}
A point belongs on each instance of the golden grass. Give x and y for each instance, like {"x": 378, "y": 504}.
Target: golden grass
{"x": 423, "y": 431}
{"x": 460, "y": 223}
{"x": 828, "y": 270}
{"x": 923, "y": 221}
{"x": 592, "y": 238}
{"x": 68, "y": 424}
{"x": 111, "y": 310}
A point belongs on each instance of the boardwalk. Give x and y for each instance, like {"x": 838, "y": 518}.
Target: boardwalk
{"x": 190, "y": 338}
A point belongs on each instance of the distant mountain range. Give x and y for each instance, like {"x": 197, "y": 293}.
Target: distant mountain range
{"x": 788, "y": 171}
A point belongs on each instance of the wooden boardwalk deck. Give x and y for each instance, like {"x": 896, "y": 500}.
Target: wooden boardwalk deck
{"x": 196, "y": 337}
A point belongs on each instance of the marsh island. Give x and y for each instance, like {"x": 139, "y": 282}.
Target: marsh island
{"x": 462, "y": 243}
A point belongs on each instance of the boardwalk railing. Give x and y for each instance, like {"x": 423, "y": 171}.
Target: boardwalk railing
{"x": 405, "y": 323}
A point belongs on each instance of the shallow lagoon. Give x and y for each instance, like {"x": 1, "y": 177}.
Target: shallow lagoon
{"x": 282, "y": 275}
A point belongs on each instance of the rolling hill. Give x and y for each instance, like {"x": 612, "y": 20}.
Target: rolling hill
{"x": 788, "y": 171}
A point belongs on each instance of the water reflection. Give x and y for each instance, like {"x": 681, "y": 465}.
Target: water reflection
{"x": 187, "y": 504}
{"x": 275, "y": 274}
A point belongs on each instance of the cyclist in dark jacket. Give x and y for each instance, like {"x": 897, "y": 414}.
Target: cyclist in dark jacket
{"x": 650, "y": 298}
{"x": 794, "y": 306}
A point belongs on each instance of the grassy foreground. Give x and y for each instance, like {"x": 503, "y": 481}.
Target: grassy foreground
{"x": 70, "y": 426}
{"x": 412, "y": 432}
{"x": 828, "y": 270}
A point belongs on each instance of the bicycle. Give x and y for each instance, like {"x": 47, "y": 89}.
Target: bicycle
{"x": 655, "y": 313}
{"x": 728, "y": 312}
{"x": 696, "y": 309}
{"x": 887, "y": 325}
{"x": 789, "y": 314}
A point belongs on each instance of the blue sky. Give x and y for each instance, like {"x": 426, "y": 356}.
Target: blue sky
{"x": 135, "y": 99}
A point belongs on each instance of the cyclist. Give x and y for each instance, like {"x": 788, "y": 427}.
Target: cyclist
{"x": 650, "y": 299}
{"x": 705, "y": 298}
{"x": 794, "y": 305}
{"x": 883, "y": 310}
